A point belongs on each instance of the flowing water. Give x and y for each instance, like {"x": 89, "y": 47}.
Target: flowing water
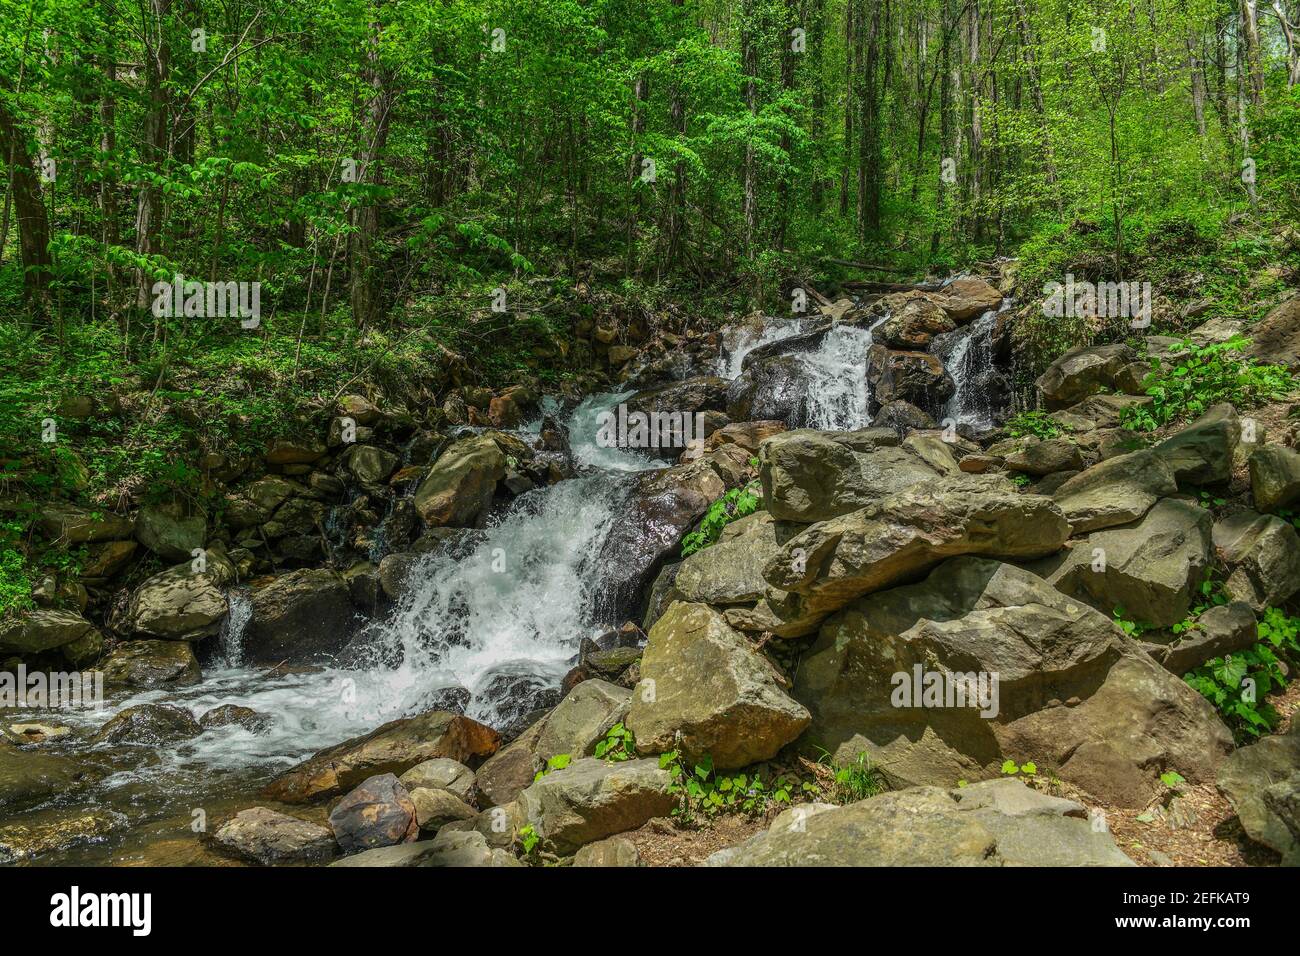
{"x": 967, "y": 354}
{"x": 838, "y": 395}
{"x": 738, "y": 341}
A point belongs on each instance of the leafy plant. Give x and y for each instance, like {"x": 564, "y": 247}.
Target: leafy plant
{"x": 1237, "y": 684}
{"x": 732, "y": 506}
{"x": 1195, "y": 377}
{"x": 529, "y": 839}
{"x": 857, "y": 781}
{"x": 1038, "y": 424}
{"x": 619, "y": 743}
{"x": 1131, "y": 628}
{"x": 1027, "y": 769}
{"x": 1172, "y": 779}
{"x": 703, "y": 791}
{"x": 558, "y": 762}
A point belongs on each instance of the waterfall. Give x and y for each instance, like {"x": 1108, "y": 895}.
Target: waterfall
{"x": 967, "y": 354}
{"x": 838, "y": 395}
{"x": 738, "y": 341}
{"x": 232, "y": 628}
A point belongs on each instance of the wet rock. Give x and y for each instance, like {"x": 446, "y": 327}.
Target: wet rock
{"x": 1274, "y": 477}
{"x": 615, "y": 851}
{"x": 232, "y": 715}
{"x": 148, "y": 664}
{"x": 440, "y": 773}
{"x": 150, "y": 725}
{"x": 902, "y": 536}
{"x": 181, "y": 604}
{"x": 35, "y": 732}
{"x": 1151, "y": 569}
{"x": 712, "y": 687}
{"x": 459, "y": 485}
{"x": 26, "y": 775}
{"x": 1201, "y": 454}
{"x": 773, "y": 389}
{"x": 299, "y": 616}
{"x": 1260, "y": 782}
{"x": 370, "y": 465}
{"x": 918, "y": 378}
{"x": 995, "y": 823}
{"x": 1262, "y": 554}
{"x": 448, "y": 848}
{"x": 592, "y": 799}
{"x": 1116, "y": 491}
{"x": 394, "y": 748}
{"x": 68, "y": 524}
{"x": 261, "y": 835}
{"x": 377, "y": 813}
{"x": 47, "y": 832}
{"x": 1083, "y": 371}
{"x": 434, "y": 808}
{"x": 974, "y": 617}
{"x": 169, "y": 533}
{"x": 42, "y": 630}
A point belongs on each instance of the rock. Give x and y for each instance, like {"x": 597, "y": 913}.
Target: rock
{"x": 1151, "y": 568}
{"x": 773, "y": 389}
{"x": 592, "y": 799}
{"x": 1274, "y": 477}
{"x": 730, "y": 571}
{"x": 1045, "y": 457}
{"x": 918, "y": 378}
{"x": 581, "y": 719}
{"x": 168, "y": 533}
{"x": 1201, "y": 454}
{"x": 1083, "y": 371}
{"x": 260, "y": 835}
{"x": 810, "y": 476}
{"x": 434, "y": 809}
{"x": 969, "y": 297}
{"x": 377, "y": 813}
{"x": 703, "y": 679}
{"x": 105, "y": 560}
{"x": 33, "y": 632}
{"x": 1247, "y": 779}
{"x": 1115, "y": 491}
{"x": 394, "y": 748}
{"x": 615, "y": 851}
{"x": 914, "y": 326}
{"x": 300, "y": 616}
{"x": 903, "y": 536}
{"x": 149, "y": 724}
{"x": 47, "y": 832}
{"x": 35, "y": 732}
{"x": 748, "y": 435}
{"x": 360, "y": 410}
{"x": 510, "y": 771}
{"x": 1220, "y": 630}
{"x": 68, "y": 524}
{"x": 284, "y": 451}
{"x": 994, "y": 823}
{"x": 460, "y": 484}
{"x": 934, "y": 451}
{"x": 1098, "y": 412}
{"x": 180, "y": 604}
{"x": 902, "y": 416}
{"x": 232, "y": 715}
{"x": 30, "y": 776}
{"x": 370, "y": 465}
{"x": 612, "y": 664}
{"x": 1262, "y": 554}
{"x": 448, "y": 848}
{"x": 690, "y": 397}
{"x": 440, "y": 773}
{"x": 973, "y": 618}
{"x": 151, "y": 664}
{"x": 1276, "y": 339}
{"x": 394, "y": 572}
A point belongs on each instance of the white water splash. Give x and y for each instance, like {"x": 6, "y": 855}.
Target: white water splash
{"x": 738, "y": 341}
{"x": 839, "y": 395}
{"x": 967, "y": 354}
{"x": 232, "y": 628}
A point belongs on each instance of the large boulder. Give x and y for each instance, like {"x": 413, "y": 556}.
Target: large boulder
{"x": 1083, "y": 371}
{"x": 68, "y": 524}
{"x": 434, "y": 809}
{"x": 901, "y": 537}
{"x": 36, "y": 631}
{"x": 440, "y": 773}
{"x": 370, "y": 464}
{"x": 509, "y": 771}
{"x": 1115, "y": 491}
{"x": 1261, "y": 783}
{"x": 1038, "y": 458}
{"x": 774, "y": 389}
{"x": 1276, "y": 339}
{"x": 1274, "y": 477}
{"x": 1262, "y": 554}
{"x": 907, "y": 677}
{"x": 592, "y": 799}
{"x": 918, "y": 378}
{"x": 689, "y": 398}
{"x": 378, "y": 812}
{"x": 914, "y": 325}
{"x": 449, "y": 848}
{"x": 705, "y": 681}
{"x": 968, "y": 297}
{"x": 264, "y": 836}
{"x": 150, "y": 664}
{"x": 581, "y": 719}
{"x": 1151, "y": 568}
{"x": 1220, "y": 630}
{"x": 394, "y": 748}
{"x": 810, "y": 476}
{"x": 150, "y": 725}
{"x": 299, "y": 616}
{"x": 460, "y": 484}
{"x": 180, "y": 604}
{"x": 1201, "y": 454}
{"x": 995, "y": 823}
{"x": 730, "y": 571}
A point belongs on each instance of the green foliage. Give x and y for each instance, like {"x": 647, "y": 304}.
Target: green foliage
{"x": 1237, "y": 685}
{"x": 1026, "y": 769}
{"x": 529, "y": 840}
{"x": 1131, "y": 628}
{"x": 558, "y": 762}
{"x": 1211, "y": 594}
{"x": 732, "y": 506}
{"x": 1281, "y": 631}
{"x": 619, "y": 743}
{"x": 856, "y": 780}
{"x": 1039, "y": 424}
{"x": 1172, "y": 779}
{"x": 1193, "y": 378}
{"x": 703, "y": 791}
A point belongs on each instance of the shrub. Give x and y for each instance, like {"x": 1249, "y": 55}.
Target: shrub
{"x": 734, "y": 505}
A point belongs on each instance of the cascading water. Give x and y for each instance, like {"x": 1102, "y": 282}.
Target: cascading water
{"x": 839, "y": 395}
{"x": 739, "y": 341}
{"x": 967, "y": 354}
{"x": 232, "y": 628}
